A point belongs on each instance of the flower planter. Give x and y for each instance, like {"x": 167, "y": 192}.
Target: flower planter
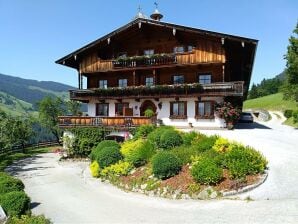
{"x": 230, "y": 126}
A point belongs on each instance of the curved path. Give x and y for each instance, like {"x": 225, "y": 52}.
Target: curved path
{"x": 66, "y": 193}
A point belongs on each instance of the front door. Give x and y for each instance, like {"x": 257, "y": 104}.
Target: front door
{"x": 147, "y": 104}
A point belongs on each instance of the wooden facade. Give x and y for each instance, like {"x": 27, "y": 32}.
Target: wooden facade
{"x": 146, "y": 49}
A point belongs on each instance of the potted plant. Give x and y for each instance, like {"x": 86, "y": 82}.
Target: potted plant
{"x": 229, "y": 113}
{"x": 149, "y": 113}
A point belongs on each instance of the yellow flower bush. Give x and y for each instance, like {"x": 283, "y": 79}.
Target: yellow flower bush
{"x": 94, "y": 168}
{"x": 119, "y": 169}
{"x": 222, "y": 145}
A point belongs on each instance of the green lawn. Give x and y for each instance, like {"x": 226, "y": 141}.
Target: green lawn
{"x": 7, "y": 159}
{"x": 271, "y": 102}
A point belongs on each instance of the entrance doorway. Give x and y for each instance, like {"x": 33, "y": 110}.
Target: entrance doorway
{"x": 147, "y": 104}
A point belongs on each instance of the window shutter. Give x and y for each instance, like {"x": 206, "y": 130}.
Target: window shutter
{"x": 185, "y": 108}
{"x": 196, "y": 108}
{"x": 171, "y": 108}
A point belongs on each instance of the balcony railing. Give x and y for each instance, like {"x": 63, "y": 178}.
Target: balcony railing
{"x": 82, "y": 121}
{"x": 143, "y": 61}
{"x": 165, "y": 91}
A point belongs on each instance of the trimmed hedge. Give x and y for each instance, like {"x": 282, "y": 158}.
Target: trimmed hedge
{"x": 10, "y": 184}
{"x": 154, "y": 136}
{"x": 204, "y": 143}
{"x": 137, "y": 152}
{"x": 170, "y": 139}
{"x": 184, "y": 153}
{"x": 165, "y": 165}
{"x": 144, "y": 130}
{"x": 189, "y": 137}
{"x": 205, "y": 171}
{"x": 102, "y": 145}
{"x": 108, "y": 156}
{"x": 242, "y": 161}
{"x": 15, "y": 203}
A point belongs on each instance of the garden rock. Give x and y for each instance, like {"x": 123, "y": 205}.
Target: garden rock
{"x": 2, "y": 215}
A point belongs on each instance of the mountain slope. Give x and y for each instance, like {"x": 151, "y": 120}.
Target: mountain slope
{"x": 19, "y": 96}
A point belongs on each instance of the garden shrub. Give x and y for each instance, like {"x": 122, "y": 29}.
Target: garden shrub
{"x": 144, "y": 130}
{"x": 121, "y": 168}
{"x": 15, "y": 203}
{"x": 170, "y": 139}
{"x": 295, "y": 116}
{"x": 8, "y": 184}
{"x": 137, "y": 152}
{"x": 165, "y": 165}
{"x": 84, "y": 140}
{"x": 102, "y": 145}
{"x": 108, "y": 156}
{"x": 189, "y": 137}
{"x": 26, "y": 219}
{"x": 205, "y": 171}
{"x": 94, "y": 169}
{"x": 204, "y": 143}
{"x": 242, "y": 161}
{"x": 288, "y": 113}
{"x": 217, "y": 157}
{"x": 184, "y": 153}
{"x": 154, "y": 136}
{"x": 221, "y": 145}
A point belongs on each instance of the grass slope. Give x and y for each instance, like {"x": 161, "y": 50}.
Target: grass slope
{"x": 271, "y": 102}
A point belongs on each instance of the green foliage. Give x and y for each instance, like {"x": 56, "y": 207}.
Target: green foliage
{"x": 149, "y": 113}
{"x": 189, "y": 137}
{"x": 266, "y": 87}
{"x": 84, "y": 140}
{"x": 288, "y": 113}
{"x": 26, "y": 219}
{"x": 206, "y": 171}
{"x": 8, "y": 184}
{"x": 154, "y": 136}
{"x": 170, "y": 139}
{"x": 137, "y": 152}
{"x": 144, "y": 130}
{"x": 121, "y": 168}
{"x": 102, "y": 145}
{"x": 74, "y": 107}
{"x": 108, "y": 156}
{"x": 94, "y": 169}
{"x": 290, "y": 89}
{"x": 49, "y": 109}
{"x": 14, "y": 130}
{"x": 203, "y": 143}
{"x": 184, "y": 153}
{"x": 165, "y": 165}
{"x": 295, "y": 116}
{"x": 242, "y": 161}
{"x": 15, "y": 203}
{"x": 221, "y": 145}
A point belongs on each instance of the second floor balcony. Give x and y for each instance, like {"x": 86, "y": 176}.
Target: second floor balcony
{"x": 161, "y": 91}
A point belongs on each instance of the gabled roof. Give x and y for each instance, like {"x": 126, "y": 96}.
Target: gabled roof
{"x": 72, "y": 55}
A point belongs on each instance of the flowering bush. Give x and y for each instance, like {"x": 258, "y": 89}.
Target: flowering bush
{"x": 227, "y": 112}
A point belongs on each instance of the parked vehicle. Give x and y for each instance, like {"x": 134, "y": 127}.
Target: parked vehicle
{"x": 119, "y": 136}
{"x": 246, "y": 117}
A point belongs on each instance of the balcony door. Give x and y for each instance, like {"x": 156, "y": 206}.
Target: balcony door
{"x": 147, "y": 104}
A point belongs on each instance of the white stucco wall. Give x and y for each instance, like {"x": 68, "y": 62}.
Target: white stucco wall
{"x": 164, "y": 112}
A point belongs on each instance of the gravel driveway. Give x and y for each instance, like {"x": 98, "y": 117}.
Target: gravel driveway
{"x": 67, "y": 194}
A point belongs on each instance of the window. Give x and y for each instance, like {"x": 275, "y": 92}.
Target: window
{"x": 178, "y": 110}
{"x": 204, "y": 109}
{"x": 179, "y": 49}
{"x": 149, "y": 81}
{"x": 102, "y": 109}
{"x": 205, "y": 79}
{"x": 149, "y": 52}
{"x": 122, "y": 82}
{"x": 190, "y": 48}
{"x": 178, "y": 79}
{"x": 103, "y": 84}
{"x": 119, "y": 108}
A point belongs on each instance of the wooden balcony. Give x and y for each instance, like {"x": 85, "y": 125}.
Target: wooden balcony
{"x": 161, "y": 91}
{"x": 92, "y": 63}
{"x": 120, "y": 121}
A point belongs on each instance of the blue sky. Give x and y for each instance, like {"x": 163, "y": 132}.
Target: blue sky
{"x": 35, "y": 33}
